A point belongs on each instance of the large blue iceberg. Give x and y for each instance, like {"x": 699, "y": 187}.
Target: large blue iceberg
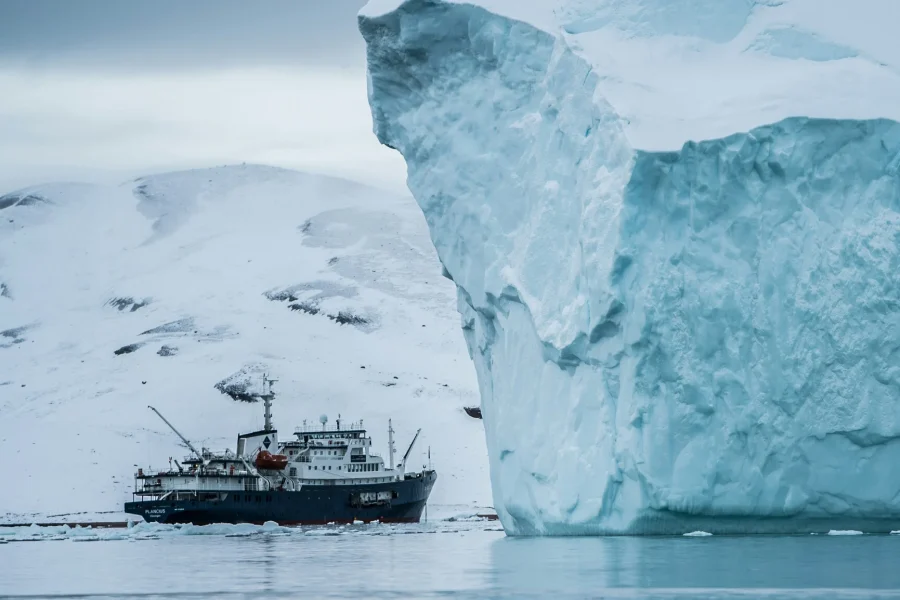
{"x": 675, "y": 326}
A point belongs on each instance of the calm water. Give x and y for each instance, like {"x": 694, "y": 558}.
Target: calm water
{"x": 443, "y": 560}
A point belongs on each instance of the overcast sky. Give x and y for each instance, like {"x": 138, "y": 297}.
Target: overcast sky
{"x": 108, "y": 89}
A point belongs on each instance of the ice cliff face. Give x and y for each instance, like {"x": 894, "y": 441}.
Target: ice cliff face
{"x": 704, "y": 337}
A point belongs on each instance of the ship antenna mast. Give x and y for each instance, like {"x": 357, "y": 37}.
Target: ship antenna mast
{"x": 267, "y": 397}
{"x": 391, "y": 443}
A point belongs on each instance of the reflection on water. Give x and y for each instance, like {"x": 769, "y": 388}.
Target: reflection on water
{"x": 803, "y": 566}
{"x": 447, "y": 560}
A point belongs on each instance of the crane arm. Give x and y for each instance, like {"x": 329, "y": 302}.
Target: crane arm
{"x": 408, "y": 450}
{"x": 183, "y": 439}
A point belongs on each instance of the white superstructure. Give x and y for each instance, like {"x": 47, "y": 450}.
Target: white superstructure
{"x": 319, "y": 455}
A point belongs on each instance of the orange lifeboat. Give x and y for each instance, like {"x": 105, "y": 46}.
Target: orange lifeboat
{"x": 271, "y": 462}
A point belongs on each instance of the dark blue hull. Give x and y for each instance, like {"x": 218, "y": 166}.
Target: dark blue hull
{"x": 311, "y": 505}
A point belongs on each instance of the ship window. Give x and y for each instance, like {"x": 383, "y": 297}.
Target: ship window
{"x": 329, "y": 467}
{"x": 237, "y": 498}
{"x": 258, "y": 499}
{"x": 293, "y": 471}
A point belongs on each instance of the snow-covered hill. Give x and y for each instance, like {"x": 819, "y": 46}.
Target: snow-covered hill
{"x": 152, "y": 292}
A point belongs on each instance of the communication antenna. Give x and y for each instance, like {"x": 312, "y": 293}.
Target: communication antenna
{"x": 323, "y": 420}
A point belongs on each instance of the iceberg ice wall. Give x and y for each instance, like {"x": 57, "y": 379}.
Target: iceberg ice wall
{"x": 669, "y": 334}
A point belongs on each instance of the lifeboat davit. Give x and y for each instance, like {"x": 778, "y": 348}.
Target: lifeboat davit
{"x": 271, "y": 462}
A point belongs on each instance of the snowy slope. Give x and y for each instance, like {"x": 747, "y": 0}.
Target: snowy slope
{"x": 151, "y": 292}
{"x": 673, "y": 226}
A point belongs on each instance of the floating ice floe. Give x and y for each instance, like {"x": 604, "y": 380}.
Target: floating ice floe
{"x": 154, "y": 531}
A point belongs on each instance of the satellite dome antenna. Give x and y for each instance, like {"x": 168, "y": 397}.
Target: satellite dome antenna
{"x": 323, "y": 419}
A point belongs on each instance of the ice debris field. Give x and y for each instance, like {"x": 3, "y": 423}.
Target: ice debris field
{"x": 674, "y": 229}
{"x": 141, "y": 531}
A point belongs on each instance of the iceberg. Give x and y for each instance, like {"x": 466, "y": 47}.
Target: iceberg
{"x": 674, "y": 228}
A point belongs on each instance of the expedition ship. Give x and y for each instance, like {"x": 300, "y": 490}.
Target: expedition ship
{"x": 326, "y": 474}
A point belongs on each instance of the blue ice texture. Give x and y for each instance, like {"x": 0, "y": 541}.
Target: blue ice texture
{"x": 665, "y": 342}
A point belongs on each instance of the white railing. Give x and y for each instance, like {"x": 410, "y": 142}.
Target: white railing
{"x": 355, "y": 425}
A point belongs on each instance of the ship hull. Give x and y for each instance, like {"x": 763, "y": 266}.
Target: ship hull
{"x": 398, "y": 502}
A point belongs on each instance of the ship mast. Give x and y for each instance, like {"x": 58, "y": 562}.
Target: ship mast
{"x": 391, "y": 444}
{"x": 267, "y": 397}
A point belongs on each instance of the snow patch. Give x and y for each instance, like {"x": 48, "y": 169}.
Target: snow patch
{"x": 792, "y": 43}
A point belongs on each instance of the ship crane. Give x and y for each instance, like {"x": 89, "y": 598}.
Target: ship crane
{"x": 402, "y": 464}
{"x": 203, "y": 461}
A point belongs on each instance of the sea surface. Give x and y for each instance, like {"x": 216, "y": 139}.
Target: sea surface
{"x": 435, "y": 560}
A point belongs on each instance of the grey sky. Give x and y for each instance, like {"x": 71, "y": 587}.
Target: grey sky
{"x": 109, "y": 89}
{"x": 180, "y": 33}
